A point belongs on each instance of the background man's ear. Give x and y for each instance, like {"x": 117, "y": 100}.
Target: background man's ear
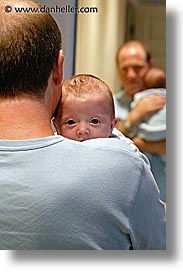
{"x": 151, "y": 62}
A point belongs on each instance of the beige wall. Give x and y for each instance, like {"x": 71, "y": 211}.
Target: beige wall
{"x": 98, "y": 37}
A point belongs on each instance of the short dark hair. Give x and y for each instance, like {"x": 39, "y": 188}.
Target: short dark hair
{"x": 29, "y": 46}
{"x": 145, "y": 46}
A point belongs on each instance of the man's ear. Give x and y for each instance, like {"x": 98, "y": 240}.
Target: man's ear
{"x": 58, "y": 68}
{"x": 151, "y": 62}
{"x": 53, "y": 91}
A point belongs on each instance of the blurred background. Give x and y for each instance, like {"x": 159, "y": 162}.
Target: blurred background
{"x": 92, "y": 37}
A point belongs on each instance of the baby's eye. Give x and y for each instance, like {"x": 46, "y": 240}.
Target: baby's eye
{"x": 71, "y": 122}
{"x": 95, "y": 121}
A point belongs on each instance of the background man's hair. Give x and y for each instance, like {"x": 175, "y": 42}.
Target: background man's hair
{"x": 29, "y": 46}
{"x": 145, "y": 46}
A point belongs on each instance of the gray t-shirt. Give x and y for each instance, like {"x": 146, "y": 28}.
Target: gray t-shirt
{"x": 63, "y": 194}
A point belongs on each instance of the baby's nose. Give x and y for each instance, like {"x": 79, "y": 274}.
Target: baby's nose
{"x": 83, "y": 130}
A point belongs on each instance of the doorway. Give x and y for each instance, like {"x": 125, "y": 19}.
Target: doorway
{"x": 146, "y": 21}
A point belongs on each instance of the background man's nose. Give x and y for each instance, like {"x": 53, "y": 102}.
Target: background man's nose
{"x": 131, "y": 72}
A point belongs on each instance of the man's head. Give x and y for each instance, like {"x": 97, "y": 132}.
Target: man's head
{"x": 86, "y": 109}
{"x": 29, "y": 50}
{"x": 133, "y": 61}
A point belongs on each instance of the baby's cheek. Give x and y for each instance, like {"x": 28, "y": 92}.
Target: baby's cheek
{"x": 63, "y": 129}
{"x": 69, "y": 132}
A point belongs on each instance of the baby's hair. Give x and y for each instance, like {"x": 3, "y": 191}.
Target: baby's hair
{"x": 87, "y": 86}
{"x": 155, "y": 78}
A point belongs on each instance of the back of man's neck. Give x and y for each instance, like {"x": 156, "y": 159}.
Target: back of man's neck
{"x": 23, "y": 119}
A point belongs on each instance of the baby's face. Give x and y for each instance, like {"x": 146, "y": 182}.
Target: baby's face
{"x": 84, "y": 119}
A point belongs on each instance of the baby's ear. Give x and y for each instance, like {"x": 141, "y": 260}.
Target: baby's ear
{"x": 55, "y": 124}
{"x": 113, "y": 123}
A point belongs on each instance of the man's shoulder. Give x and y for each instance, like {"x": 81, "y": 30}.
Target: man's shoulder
{"x": 120, "y": 95}
{"x": 122, "y": 104}
{"x": 117, "y": 147}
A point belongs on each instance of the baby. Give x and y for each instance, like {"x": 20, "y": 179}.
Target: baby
{"x": 155, "y": 78}
{"x": 153, "y": 127}
{"x": 86, "y": 109}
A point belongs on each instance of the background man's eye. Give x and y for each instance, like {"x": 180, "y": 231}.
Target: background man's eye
{"x": 137, "y": 68}
{"x": 71, "y": 122}
{"x": 124, "y": 70}
{"x": 95, "y": 121}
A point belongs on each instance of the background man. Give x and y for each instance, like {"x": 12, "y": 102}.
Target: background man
{"x": 134, "y": 61}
